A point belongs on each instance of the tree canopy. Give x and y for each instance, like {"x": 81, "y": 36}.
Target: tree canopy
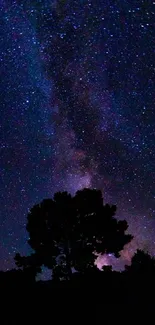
{"x": 66, "y": 231}
{"x": 141, "y": 263}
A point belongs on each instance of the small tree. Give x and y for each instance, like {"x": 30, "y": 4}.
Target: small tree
{"x": 141, "y": 263}
{"x": 30, "y": 265}
{"x": 66, "y": 231}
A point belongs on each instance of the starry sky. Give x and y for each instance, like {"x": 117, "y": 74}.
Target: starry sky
{"x": 77, "y": 110}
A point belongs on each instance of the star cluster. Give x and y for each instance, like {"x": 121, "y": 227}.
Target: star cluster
{"x": 77, "y": 110}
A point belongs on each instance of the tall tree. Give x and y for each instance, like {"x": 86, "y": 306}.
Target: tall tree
{"x": 66, "y": 231}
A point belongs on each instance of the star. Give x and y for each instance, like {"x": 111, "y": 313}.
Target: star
{"x": 77, "y": 101}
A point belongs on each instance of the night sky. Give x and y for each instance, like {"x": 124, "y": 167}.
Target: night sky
{"x": 77, "y": 110}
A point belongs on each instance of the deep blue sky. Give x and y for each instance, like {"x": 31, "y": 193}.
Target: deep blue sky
{"x": 77, "y": 110}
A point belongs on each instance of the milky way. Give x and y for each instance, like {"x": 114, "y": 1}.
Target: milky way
{"x": 77, "y": 110}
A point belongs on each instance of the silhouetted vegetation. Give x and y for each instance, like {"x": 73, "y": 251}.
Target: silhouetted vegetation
{"x": 65, "y": 233}
{"x": 141, "y": 263}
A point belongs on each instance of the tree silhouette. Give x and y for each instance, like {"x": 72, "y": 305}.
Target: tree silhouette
{"x": 66, "y": 231}
{"x": 142, "y": 263}
{"x": 30, "y": 265}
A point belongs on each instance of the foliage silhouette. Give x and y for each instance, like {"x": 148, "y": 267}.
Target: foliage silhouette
{"x": 66, "y": 231}
{"x": 141, "y": 263}
{"x": 30, "y": 265}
